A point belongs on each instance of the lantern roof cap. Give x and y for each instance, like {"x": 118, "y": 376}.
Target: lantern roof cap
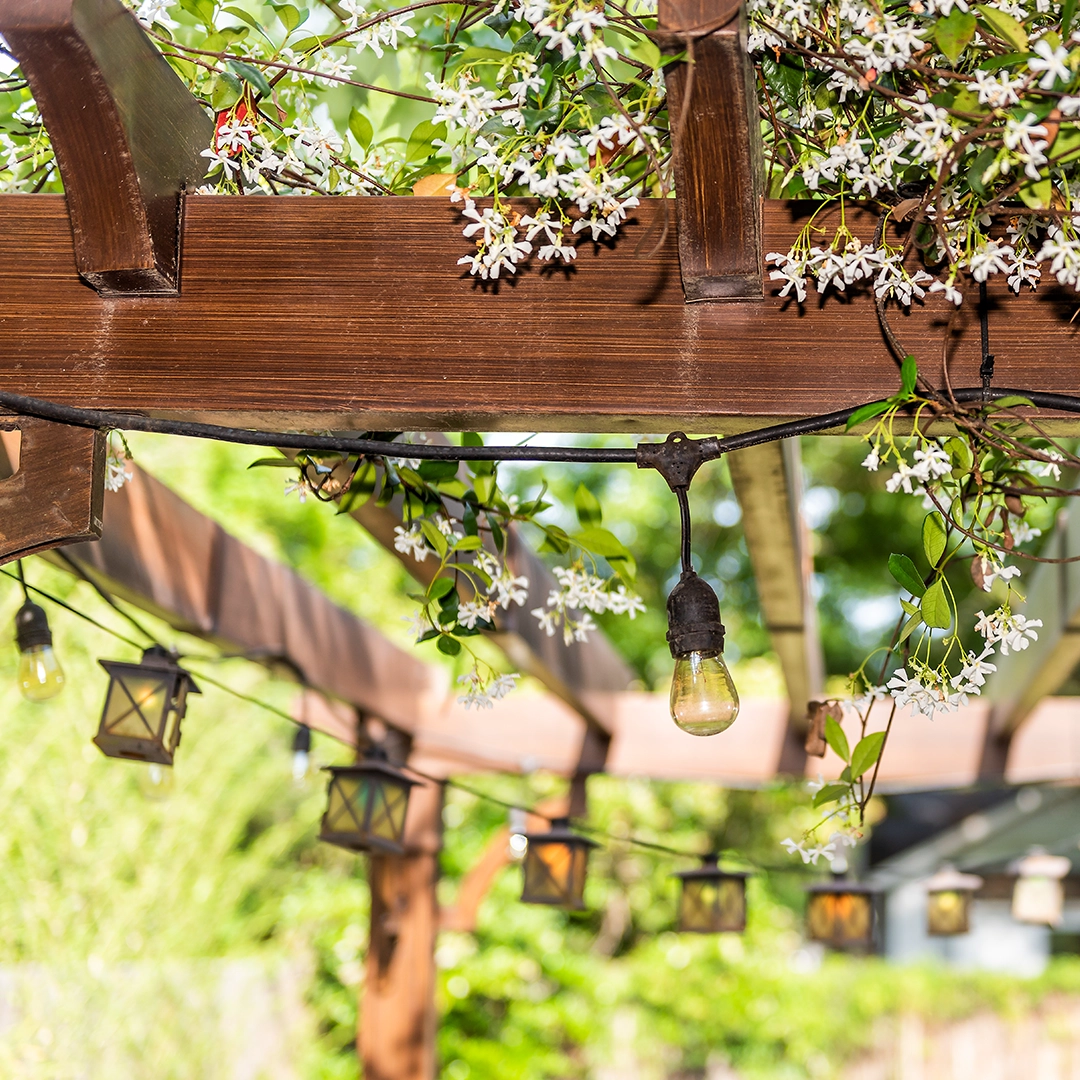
{"x": 1037, "y": 863}
{"x": 156, "y": 658}
{"x": 375, "y": 761}
{"x": 561, "y": 833}
{"x": 949, "y": 879}
{"x": 841, "y": 885}
{"x": 710, "y": 868}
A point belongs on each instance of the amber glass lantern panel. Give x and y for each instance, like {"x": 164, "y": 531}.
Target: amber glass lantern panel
{"x": 555, "y": 866}
{"x": 841, "y": 919}
{"x": 948, "y": 912}
{"x": 712, "y": 902}
{"x": 143, "y": 709}
{"x": 366, "y": 807}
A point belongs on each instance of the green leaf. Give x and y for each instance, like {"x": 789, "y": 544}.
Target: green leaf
{"x": 835, "y": 737}
{"x": 535, "y": 119}
{"x": 1012, "y": 401}
{"x": 1037, "y": 194}
{"x": 953, "y": 34}
{"x": 903, "y": 569}
{"x": 935, "y": 606}
{"x": 587, "y": 506}
{"x": 475, "y": 53}
{"x": 434, "y": 537}
{"x": 500, "y": 23}
{"x": 448, "y": 645}
{"x": 648, "y": 52}
{"x": 421, "y": 141}
{"x": 1068, "y": 13}
{"x": 830, "y": 793}
{"x": 909, "y": 373}
{"x": 468, "y": 543}
{"x": 1004, "y": 26}
{"x": 361, "y": 128}
{"x": 433, "y": 471}
{"x": 601, "y": 542}
{"x": 933, "y": 537}
{"x": 909, "y": 627}
{"x": 909, "y": 607}
{"x": 361, "y": 489}
{"x": 959, "y": 454}
{"x": 226, "y": 91}
{"x": 977, "y": 170}
{"x": 866, "y": 753}
{"x": 290, "y": 16}
{"x": 273, "y": 463}
{"x": 440, "y": 587}
{"x": 471, "y": 438}
{"x": 867, "y": 412}
{"x": 244, "y": 16}
{"x": 555, "y": 540}
{"x": 252, "y": 76}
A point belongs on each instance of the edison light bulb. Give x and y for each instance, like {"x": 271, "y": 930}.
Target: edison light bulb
{"x": 703, "y": 697}
{"x": 40, "y": 674}
{"x": 156, "y": 781}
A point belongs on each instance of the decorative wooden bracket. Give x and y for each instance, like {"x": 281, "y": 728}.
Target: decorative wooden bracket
{"x": 718, "y": 160}
{"x": 55, "y": 496}
{"x": 126, "y": 132}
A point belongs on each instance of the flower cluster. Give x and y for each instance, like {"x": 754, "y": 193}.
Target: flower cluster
{"x": 580, "y": 593}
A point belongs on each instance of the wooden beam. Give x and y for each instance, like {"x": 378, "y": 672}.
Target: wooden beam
{"x": 351, "y": 313}
{"x": 718, "y": 158}
{"x": 768, "y": 484}
{"x": 397, "y": 1015}
{"x": 1024, "y": 678}
{"x": 162, "y": 555}
{"x": 126, "y": 133}
{"x": 54, "y": 496}
{"x": 567, "y": 671}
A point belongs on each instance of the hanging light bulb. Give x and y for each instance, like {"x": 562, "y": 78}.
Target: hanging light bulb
{"x": 301, "y": 758}
{"x": 40, "y": 674}
{"x": 703, "y": 697}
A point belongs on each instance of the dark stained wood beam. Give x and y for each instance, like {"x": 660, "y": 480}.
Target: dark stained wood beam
{"x": 351, "y": 313}
{"x": 160, "y": 554}
{"x": 54, "y": 496}
{"x": 768, "y": 484}
{"x": 718, "y": 157}
{"x": 126, "y": 132}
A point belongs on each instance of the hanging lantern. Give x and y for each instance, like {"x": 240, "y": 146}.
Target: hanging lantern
{"x": 840, "y": 914}
{"x": 713, "y": 901}
{"x": 1039, "y": 893}
{"x": 948, "y": 902}
{"x": 143, "y": 707}
{"x": 555, "y": 864}
{"x": 366, "y": 805}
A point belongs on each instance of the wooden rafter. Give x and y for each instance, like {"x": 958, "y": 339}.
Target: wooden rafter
{"x": 126, "y": 132}
{"x": 1025, "y": 677}
{"x": 768, "y": 484}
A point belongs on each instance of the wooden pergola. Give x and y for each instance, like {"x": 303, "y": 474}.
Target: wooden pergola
{"x": 290, "y": 314}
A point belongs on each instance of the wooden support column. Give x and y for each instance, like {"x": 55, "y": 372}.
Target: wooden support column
{"x": 126, "y": 132}
{"x": 768, "y": 484}
{"x": 1025, "y": 677}
{"x": 718, "y": 160}
{"x": 397, "y": 1011}
{"x": 55, "y": 495}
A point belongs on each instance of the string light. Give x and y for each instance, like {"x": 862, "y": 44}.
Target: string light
{"x": 40, "y": 675}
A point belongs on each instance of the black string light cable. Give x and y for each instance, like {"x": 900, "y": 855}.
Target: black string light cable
{"x": 467, "y": 789}
{"x": 711, "y": 449}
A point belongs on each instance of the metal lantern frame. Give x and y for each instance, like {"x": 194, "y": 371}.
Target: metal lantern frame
{"x": 366, "y": 804}
{"x": 843, "y": 915}
{"x": 555, "y": 866}
{"x": 711, "y": 900}
{"x": 144, "y": 707}
{"x": 949, "y": 894}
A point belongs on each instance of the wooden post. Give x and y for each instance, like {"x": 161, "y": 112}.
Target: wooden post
{"x": 718, "y": 157}
{"x": 126, "y": 132}
{"x": 397, "y": 1012}
{"x": 55, "y": 496}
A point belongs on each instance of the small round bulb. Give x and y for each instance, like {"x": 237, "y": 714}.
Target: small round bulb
{"x": 703, "y": 697}
{"x": 301, "y": 760}
{"x": 156, "y": 781}
{"x": 40, "y": 674}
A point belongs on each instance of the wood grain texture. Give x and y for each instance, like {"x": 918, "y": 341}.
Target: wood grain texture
{"x": 126, "y": 132}
{"x": 718, "y": 162}
{"x": 55, "y": 495}
{"x": 351, "y": 314}
{"x": 161, "y": 554}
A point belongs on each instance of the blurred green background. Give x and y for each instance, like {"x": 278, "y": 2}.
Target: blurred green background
{"x": 208, "y": 934}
